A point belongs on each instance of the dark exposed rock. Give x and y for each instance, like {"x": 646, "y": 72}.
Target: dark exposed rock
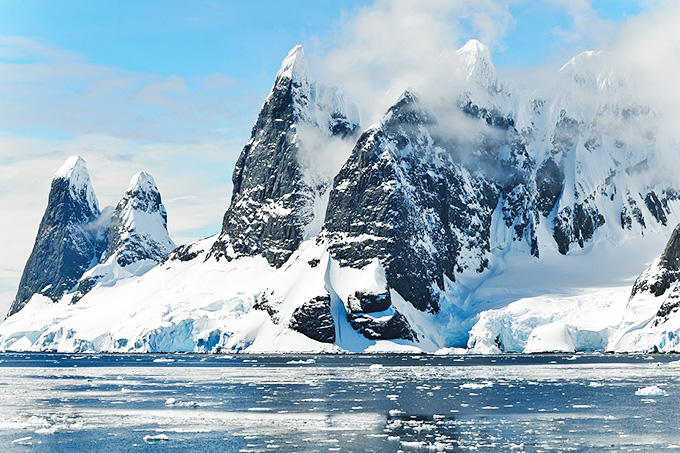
{"x": 392, "y": 328}
{"x": 669, "y": 307}
{"x": 186, "y": 252}
{"x": 268, "y": 210}
{"x": 366, "y": 302}
{"x": 656, "y": 208}
{"x": 549, "y": 183}
{"x": 314, "y": 319}
{"x": 85, "y": 286}
{"x": 70, "y": 238}
{"x": 662, "y": 275}
{"x": 264, "y": 303}
{"x": 577, "y": 226}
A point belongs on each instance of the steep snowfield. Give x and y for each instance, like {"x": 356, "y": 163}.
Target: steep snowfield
{"x": 558, "y": 303}
{"x": 651, "y": 322}
{"x": 180, "y": 306}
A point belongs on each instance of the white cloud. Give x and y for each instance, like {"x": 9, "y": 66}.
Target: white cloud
{"x": 396, "y": 44}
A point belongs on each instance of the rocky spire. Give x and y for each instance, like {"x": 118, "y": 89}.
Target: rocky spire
{"x": 268, "y": 210}
{"x": 138, "y": 229}
{"x": 137, "y": 237}
{"x": 69, "y": 238}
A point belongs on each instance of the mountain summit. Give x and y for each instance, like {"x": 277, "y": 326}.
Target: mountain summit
{"x": 270, "y": 204}
{"x": 69, "y": 238}
{"x": 79, "y": 246}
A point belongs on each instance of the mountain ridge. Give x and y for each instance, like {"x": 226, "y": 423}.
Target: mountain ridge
{"x": 396, "y": 246}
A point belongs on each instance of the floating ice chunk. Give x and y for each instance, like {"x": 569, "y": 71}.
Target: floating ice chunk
{"x": 413, "y": 444}
{"x": 375, "y": 367}
{"x": 23, "y": 441}
{"x": 476, "y": 385}
{"x": 149, "y": 439}
{"x": 188, "y": 404}
{"x": 396, "y": 412}
{"x": 174, "y": 402}
{"x": 652, "y": 390}
{"x": 301, "y": 362}
{"x": 163, "y": 360}
{"x": 595, "y": 384}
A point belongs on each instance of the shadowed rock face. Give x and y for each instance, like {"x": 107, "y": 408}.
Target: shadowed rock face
{"x": 69, "y": 239}
{"x": 664, "y": 273}
{"x": 661, "y": 278}
{"x": 137, "y": 232}
{"x": 314, "y": 319}
{"x": 267, "y": 214}
{"x": 421, "y": 205}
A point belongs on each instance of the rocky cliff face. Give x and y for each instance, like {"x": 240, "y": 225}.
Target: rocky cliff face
{"x": 664, "y": 273}
{"x": 438, "y": 192}
{"x": 273, "y": 195}
{"x": 137, "y": 236}
{"x": 651, "y": 322}
{"x": 70, "y": 239}
{"x": 413, "y": 198}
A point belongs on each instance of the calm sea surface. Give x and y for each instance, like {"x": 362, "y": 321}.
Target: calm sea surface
{"x": 102, "y": 402}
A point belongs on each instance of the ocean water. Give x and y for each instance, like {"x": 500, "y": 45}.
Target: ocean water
{"x": 186, "y": 402}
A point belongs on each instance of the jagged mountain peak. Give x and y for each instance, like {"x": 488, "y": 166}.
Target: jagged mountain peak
{"x": 139, "y": 224}
{"x": 476, "y": 49}
{"x": 142, "y": 181}
{"x": 73, "y": 166}
{"x": 294, "y": 66}
{"x": 475, "y": 58}
{"x": 592, "y": 69}
{"x": 586, "y": 58}
{"x": 280, "y": 176}
{"x": 74, "y": 170}
{"x": 68, "y": 239}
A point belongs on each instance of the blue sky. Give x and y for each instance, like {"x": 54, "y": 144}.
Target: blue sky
{"x": 247, "y": 40}
{"x": 173, "y": 87}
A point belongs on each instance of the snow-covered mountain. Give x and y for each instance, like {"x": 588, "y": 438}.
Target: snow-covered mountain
{"x": 137, "y": 237}
{"x": 486, "y": 216}
{"x": 651, "y": 322}
{"x": 70, "y": 239}
{"x": 78, "y": 246}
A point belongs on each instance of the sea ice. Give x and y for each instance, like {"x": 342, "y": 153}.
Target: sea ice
{"x": 476, "y": 385}
{"x": 652, "y": 390}
{"x": 157, "y": 438}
